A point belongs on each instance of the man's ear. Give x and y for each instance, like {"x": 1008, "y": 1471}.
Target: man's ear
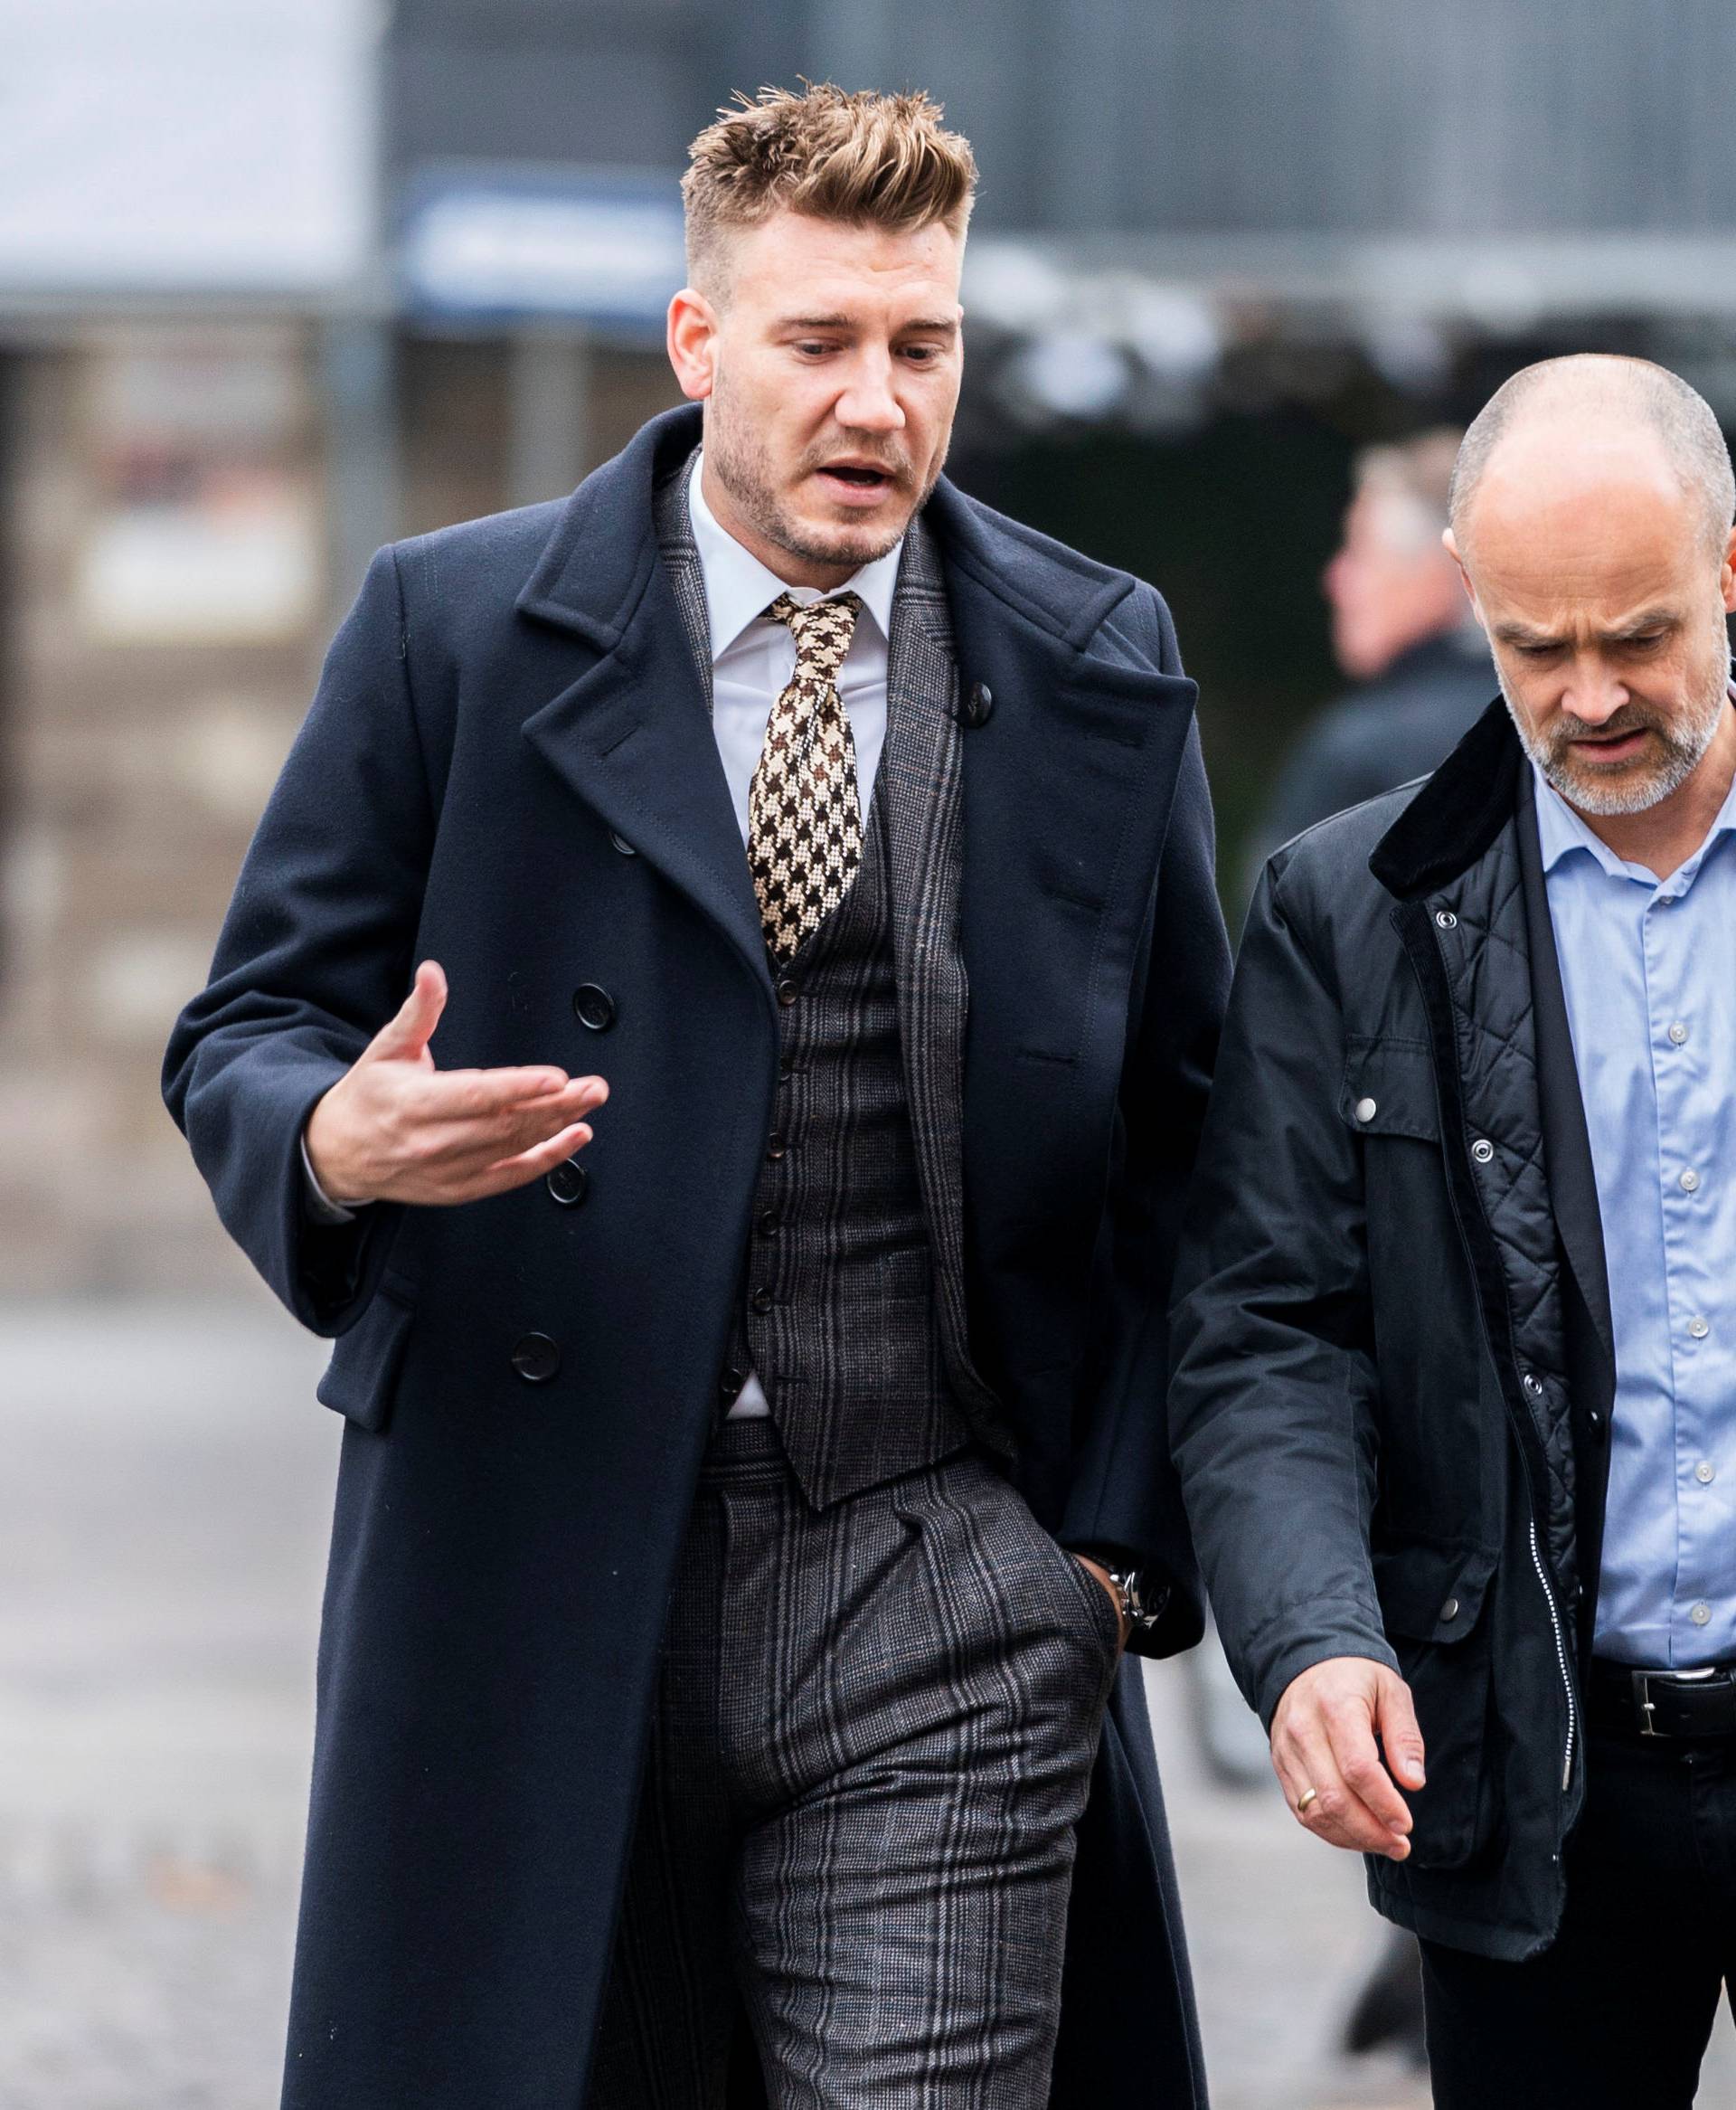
{"x": 1727, "y": 574}
{"x": 693, "y": 344}
{"x": 1450, "y": 545}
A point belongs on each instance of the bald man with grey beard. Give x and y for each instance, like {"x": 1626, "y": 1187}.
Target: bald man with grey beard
{"x": 1455, "y": 1387}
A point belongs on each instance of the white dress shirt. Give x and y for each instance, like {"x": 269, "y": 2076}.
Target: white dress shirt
{"x": 752, "y": 662}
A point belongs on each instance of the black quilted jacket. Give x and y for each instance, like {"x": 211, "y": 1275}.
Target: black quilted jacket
{"x": 1392, "y": 1373}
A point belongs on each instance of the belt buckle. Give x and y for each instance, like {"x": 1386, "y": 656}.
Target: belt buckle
{"x": 1643, "y": 1699}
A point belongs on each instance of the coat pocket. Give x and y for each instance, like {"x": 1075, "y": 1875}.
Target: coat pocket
{"x": 1431, "y": 1601}
{"x": 362, "y": 1376}
{"x": 1388, "y": 1089}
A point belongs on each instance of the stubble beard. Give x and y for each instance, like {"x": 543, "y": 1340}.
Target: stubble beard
{"x": 741, "y": 464}
{"x": 1683, "y": 738}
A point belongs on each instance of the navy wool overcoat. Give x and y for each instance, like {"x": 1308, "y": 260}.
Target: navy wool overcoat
{"x": 508, "y": 768}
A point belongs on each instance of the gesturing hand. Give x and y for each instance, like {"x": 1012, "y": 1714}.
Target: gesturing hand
{"x": 393, "y": 1128}
{"x": 1323, "y": 1738}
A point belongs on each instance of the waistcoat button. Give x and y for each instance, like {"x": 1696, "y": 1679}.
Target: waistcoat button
{"x": 761, "y": 1301}
{"x": 788, "y": 989}
{"x": 774, "y": 1145}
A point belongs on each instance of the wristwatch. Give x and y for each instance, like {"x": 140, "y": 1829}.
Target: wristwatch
{"x": 1142, "y": 1600}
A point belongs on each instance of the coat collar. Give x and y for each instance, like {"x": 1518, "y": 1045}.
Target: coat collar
{"x": 594, "y": 570}
{"x": 1457, "y": 814}
{"x": 1066, "y": 787}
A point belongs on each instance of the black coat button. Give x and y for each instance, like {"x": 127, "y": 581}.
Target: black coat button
{"x": 761, "y": 1301}
{"x": 537, "y": 1359}
{"x": 622, "y": 845}
{"x": 568, "y": 1182}
{"x": 978, "y": 705}
{"x": 731, "y": 1382}
{"x": 788, "y": 989}
{"x": 774, "y": 1145}
{"x": 593, "y": 1007}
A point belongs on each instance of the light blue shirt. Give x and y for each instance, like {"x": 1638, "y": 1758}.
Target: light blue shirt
{"x": 1648, "y": 968}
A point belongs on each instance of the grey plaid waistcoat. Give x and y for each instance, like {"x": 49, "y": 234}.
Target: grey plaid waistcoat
{"x": 852, "y": 1306}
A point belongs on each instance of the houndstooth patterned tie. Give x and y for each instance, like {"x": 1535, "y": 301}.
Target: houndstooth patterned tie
{"x": 804, "y": 816}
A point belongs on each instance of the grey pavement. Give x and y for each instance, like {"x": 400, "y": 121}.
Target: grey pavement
{"x": 163, "y": 1514}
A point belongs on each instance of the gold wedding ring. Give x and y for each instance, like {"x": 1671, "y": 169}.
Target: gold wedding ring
{"x": 1304, "y": 1798}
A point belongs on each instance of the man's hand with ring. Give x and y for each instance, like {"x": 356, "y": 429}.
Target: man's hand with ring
{"x": 393, "y": 1128}
{"x": 1329, "y": 1733}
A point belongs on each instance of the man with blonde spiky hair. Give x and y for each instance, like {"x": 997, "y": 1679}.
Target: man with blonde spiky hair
{"x": 745, "y": 1505}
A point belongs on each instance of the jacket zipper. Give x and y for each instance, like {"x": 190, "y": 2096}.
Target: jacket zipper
{"x": 1561, "y": 1657}
{"x": 1524, "y": 1462}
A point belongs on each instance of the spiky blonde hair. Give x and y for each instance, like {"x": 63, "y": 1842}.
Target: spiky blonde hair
{"x": 866, "y": 159}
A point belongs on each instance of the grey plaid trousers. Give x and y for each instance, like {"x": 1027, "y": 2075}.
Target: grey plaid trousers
{"x": 873, "y": 1736}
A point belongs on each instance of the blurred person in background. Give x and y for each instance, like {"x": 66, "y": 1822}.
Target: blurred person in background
{"x": 1400, "y": 630}
{"x": 749, "y": 1489}
{"x": 1455, "y": 1403}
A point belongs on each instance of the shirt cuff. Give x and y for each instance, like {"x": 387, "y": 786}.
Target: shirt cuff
{"x": 320, "y": 1206}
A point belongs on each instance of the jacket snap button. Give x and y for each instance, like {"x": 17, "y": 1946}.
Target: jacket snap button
{"x": 1446, "y": 918}
{"x": 568, "y": 1182}
{"x": 537, "y": 1359}
{"x": 622, "y": 845}
{"x": 593, "y": 1008}
{"x": 1366, "y": 1109}
{"x": 1482, "y": 1150}
{"x": 1451, "y": 1609}
{"x": 1535, "y": 1386}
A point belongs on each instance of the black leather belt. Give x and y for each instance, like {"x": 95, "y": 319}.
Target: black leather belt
{"x": 1668, "y": 1704}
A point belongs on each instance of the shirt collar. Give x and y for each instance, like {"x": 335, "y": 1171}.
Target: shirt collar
{"x": 738, "y": 588}
{"x": 1561, "y": 830}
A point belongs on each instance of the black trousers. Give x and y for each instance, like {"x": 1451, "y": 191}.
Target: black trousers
{"x": 874, "y": 1736}
{"x": 1615, "y": 2015}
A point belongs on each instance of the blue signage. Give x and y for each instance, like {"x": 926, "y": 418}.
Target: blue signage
{"x": 587, "y": 246}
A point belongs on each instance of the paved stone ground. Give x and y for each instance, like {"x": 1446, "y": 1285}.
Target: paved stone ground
{"x": 163, "y": 1502}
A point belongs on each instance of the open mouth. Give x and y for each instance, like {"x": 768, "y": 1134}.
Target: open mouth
{"x": 855, "y": 483}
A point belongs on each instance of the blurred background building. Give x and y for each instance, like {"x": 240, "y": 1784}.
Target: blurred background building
{"x": 279, "y": 281}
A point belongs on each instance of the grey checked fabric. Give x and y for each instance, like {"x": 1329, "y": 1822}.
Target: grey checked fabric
{"x": 804, "y": 811}
{"x": 873, "y": 1738}
{"x": 838, "y": 1308}
{"x": 858, "y": 1243}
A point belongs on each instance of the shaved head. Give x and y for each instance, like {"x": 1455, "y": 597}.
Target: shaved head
{"x": 1595, "y": 401}
{"x": 1591, "y": 507}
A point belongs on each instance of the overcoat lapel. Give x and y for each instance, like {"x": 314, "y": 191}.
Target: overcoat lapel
{"x": 632, "y": 736}
{"x": 919, "y": 794}
{"x": 1068, "y": 787}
